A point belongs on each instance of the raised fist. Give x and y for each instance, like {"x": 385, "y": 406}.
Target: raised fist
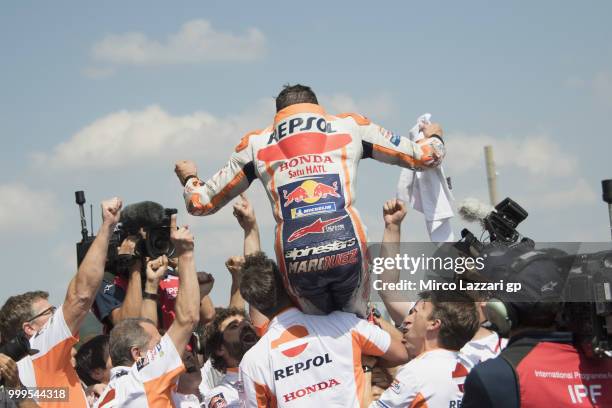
{"x": 111, "y": 211}
{"x": 244, "y": 213}
{"x": 394, "y": 212}
{"x": 234, "y": 264}
{"x": 184, "y": 169}
{"x": 182, "y": 238}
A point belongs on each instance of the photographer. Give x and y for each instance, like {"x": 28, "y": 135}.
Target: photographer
{"x": 540, "y": 366}
{"x": 146, "y": 366}
{"x": 53, "y": 331}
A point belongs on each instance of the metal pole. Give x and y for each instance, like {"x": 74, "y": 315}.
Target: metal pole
{"x": 606, "y": 189}
{"x": 491, "y": 175}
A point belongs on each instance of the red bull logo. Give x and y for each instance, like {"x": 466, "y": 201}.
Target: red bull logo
{"x": 310, "y": 191}
{"x": 317, "y": 227}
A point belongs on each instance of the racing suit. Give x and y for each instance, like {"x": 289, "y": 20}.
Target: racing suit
{"x": 307, "y": 161}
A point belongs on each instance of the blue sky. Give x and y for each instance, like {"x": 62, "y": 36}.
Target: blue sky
{"x": 84, "y": 84}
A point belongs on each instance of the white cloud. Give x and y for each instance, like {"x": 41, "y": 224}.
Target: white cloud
{"x": 375, "y": 107}
{"x": 23, "y": 209}
{"x": 538, "y": 155}
{"x": 130, "y": 137}
{"x": 581, "y": 193}
{"x": 196, "y": 41}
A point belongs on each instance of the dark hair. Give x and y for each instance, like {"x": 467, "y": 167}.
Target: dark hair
{"x": 126, "y": 334}
{"x": 16, "y": 311}
{"x": 458, "y": 317}
{"x": 292, "y": 94}
{"x": 261, "y": 284}
{"x": 213, "y": 336}
{"x": 91, "y": 355}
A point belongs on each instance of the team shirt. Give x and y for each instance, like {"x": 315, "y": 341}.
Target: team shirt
{"x": 483, "y": 349}
{"x": 50, "y": 368}
{"x": 211, "y": 377}
{"x": 433, "y": 379}
{"x": 310, "y": 361}
{"x": 147, "y": 383}
{"x": 226, "y": 394}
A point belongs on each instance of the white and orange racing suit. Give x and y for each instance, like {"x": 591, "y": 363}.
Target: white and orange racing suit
{"x": 307, "y": 161}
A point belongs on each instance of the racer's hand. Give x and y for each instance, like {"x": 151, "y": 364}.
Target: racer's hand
{"x": 182, "y": 238}
{"x": 394, "y": 212}
{"x": 111, "y": 211}
{"x": 430, "y": 129}
{"x": 184, "y": 169}
{"x": 245, "y": 214}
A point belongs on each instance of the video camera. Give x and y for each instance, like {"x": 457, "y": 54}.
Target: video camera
{"x": 17, "y": 348}
{"x": 148, "y": 220}
{"x": 587, "y": 291}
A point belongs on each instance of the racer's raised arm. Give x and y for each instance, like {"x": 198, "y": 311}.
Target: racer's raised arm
{"x": 388, "y": 147}
{"x": 207, "y": 197}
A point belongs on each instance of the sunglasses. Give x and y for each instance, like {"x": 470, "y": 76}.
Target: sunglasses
{"x": 47, "y": 311}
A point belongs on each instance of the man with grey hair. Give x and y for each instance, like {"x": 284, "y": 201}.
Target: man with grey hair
{"x": 146, "y": 365}
{"x": 53, "y": 331}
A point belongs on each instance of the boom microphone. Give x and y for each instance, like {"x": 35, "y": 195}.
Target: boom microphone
{"x": 471, "y": 210}
{"x": 144, "y": 214}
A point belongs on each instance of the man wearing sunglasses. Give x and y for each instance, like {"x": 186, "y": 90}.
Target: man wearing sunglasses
{"x": 54, "y": 331}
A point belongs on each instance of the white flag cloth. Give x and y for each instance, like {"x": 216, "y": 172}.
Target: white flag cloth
{"x": 427, "y": 191}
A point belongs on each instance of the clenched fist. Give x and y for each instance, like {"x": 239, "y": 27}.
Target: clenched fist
{"x": 184, "y": 169}
{"x": 244, "y": 213}
{"x": 182, "y": 238}
{"x": 111, "y": 211}
{"x": 394, "y": 212}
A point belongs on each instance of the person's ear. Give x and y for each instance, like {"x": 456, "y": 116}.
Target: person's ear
{"x": 434, "y": 324}
{"x": 28, "y": 329}
{"x": 135, "y": 352}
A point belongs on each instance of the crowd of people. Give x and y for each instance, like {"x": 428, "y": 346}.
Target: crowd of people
{"x": 298, "y": 329}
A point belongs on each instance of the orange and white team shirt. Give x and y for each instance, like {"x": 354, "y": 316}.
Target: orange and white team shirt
{"x": 310, "y": 361}
{"x": 50, "y": 368}
{"x": 433, "y": 379}
{"x": 148, "y": 383}
{"x": 483, "y": 349}
{"x": 226, "y": 394}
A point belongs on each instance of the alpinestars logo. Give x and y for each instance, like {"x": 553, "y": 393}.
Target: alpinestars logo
{"x": 317, "y": 227}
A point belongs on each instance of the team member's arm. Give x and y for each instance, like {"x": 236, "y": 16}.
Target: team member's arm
{"x": 207, "y": 197}
{"x": 403, "y": 392}
{"x": 234, "y": 266}
{"x": 187, "y": 304}
{"x": 385, "y": 146}
{"x": 156, "y": 268}
{"x": 83, "y": 287}
{"x": 394, "y": 212}
{"x": 376, "y": 342}
{"x": 245, "y": 214}
{"x": 207, "y": 308}
{"x": 132, "y": 302}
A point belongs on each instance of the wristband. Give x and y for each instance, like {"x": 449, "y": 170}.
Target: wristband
{"x": 189, "y": 178}
{"x": 150, "y": 296}
{"x": 437, "y": 137}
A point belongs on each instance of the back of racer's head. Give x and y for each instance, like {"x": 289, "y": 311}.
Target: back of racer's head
{"x": 292, "y": 94}
{"x": 261, "y": 285}
{"x": 131, "y": 339}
